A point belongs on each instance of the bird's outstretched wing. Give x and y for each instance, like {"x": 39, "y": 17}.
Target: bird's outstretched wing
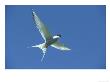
{"x": 42, "y": 29}
{"x": 59, "y": 46}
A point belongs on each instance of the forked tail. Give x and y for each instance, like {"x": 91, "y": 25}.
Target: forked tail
{"x": 43, "y": 48}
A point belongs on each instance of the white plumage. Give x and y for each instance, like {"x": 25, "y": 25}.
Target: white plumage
{"x": 48, "y": 39}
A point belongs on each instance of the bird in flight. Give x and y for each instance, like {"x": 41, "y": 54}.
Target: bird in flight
{"x": 49, "y": 40}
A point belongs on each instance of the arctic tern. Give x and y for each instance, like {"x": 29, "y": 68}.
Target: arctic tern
{"x": 49, "y": 40}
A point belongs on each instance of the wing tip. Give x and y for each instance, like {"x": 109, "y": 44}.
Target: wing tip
{"x": 68, "y": 49}
{"x": 33, "y": 11}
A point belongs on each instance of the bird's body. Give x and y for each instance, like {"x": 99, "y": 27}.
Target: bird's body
{"x": 49, "y": 40}
{"x": 52, "y": 40}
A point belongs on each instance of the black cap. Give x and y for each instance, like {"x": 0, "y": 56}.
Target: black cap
{"x": 59, "y": 35}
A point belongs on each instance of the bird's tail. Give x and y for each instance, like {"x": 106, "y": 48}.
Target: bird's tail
{"x": 43, "y": 48}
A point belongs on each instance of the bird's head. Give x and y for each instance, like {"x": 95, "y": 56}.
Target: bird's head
{"x": 57, "y": 36}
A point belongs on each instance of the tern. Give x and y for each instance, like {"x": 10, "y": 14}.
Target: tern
{"x": 49, "y": 40}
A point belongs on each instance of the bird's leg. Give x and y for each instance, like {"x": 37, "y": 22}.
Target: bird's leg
{"x": 46, "y": 45}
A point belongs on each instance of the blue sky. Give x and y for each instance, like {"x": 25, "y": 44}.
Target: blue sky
{"x": 83, "y": 29}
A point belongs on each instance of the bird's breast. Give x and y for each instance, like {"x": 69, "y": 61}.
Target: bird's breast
{"x": 51, "y": 41}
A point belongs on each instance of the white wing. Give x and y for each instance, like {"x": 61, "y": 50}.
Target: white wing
{"x": 59, "y": 46}
{"x": 42, "y": 29}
